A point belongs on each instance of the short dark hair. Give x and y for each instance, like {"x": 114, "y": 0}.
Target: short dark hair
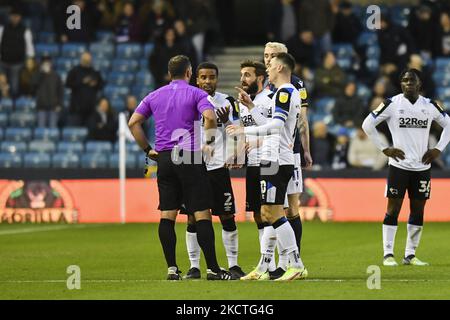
{"x": 207, "y": 65}
{"x": 178, "y": 65}
{"x": 287, "y": 60}
{"x": 260, "y": 68}
{"x": 412, "y": 70}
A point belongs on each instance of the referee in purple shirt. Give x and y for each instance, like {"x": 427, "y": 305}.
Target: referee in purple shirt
{"x": 177, "y": 109}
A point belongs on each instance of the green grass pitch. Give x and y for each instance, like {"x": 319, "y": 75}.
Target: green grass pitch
{"x": 126, "y": 262}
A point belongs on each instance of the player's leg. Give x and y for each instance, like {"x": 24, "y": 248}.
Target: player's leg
{"x": 253, "y": 198}
{"x": 193, "y": 249}
{"x": 168, "y": 239}
{"x": 295, "y": 188}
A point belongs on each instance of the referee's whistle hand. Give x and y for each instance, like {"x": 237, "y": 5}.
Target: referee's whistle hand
{"x": 153, "y": 155}
{"x": 394, "y": 153}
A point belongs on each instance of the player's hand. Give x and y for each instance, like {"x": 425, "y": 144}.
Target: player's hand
{"x": 308, "y": 159}
{"x": 244, "y": 98}
{"x": 223, "y": 114}
{"x": 208, "y": 151}
{"x": 234, "y": 130}
{"x": 153, "y": 155}
{"x": 394, "y": 153}
{"x": 431, "y": 155}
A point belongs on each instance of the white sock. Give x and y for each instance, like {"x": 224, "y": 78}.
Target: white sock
{"x": 193, "y": 249}
{"x": 412, "y": 239}
{"x": 230, "y": 242}
{"x": 260, "y": 235}
{"x": 283, "y": 259}
{"x": 288, "y": 245}
{"x": 268, "y": 243}
{"x": 389, "y": 239}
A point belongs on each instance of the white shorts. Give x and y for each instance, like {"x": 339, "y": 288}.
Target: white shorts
{"x": 295, "y": 185}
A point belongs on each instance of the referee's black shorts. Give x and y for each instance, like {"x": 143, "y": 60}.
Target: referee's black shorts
{"x": 185, "y": 183}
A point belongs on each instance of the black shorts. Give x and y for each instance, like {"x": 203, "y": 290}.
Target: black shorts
{"x": 418, "y": 183}
{"x": 223, "y": 197}
{"x": 274, "y": 182}
{"x": 182, "y": 184}
{"x": 252, "y": 189}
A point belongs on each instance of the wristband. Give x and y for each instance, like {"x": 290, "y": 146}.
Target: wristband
{"x": 148, "y": 149}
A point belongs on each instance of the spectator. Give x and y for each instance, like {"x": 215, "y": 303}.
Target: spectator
{"x": 340, "y": 150}
{"x": 27, "y": 73}
{"x": 383, "y": 88}
{"x": 160, "y": 56}
{"x": 89, "y": 17}
{"x": 281, "y": 20}
{"x": 185, "y": 42}
{"x": 423, "y": 29}
{"x": 428, "y": 87}
{"x": 85, "y": 83}
{"x": 49, "y": 94}
{"x": 131, "y": 103}
{"x": 198, "y": 24}
{"x": 362, "y": 153}
{"x": 301, "y": 47}
{"x": 329, "y": 79}
{"x": 322, "y": 146}
{"x": 102, "y": 123}
{"x": 109, "y": 13}
{"x": 347, "y": 26}
{"x": 160, "y": 19}
{"x": 16, "y": 44}
{"x": 443, "y": 36}
{"x": 4, "y": 86}
{"x": 128, "y": 28}
{"x": 349, "y": 108}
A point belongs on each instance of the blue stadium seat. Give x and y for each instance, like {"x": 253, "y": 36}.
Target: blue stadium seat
{"x": 74, "y": 133}
{"x": 372, "y": 65}
{"x": 130, "y": 147}
{"x": 128, "y": 51}
{"x": 324, "y": 106}
{"x": 70, "y": 147}
{"x": 6, "y": 105}
{"x": 94, "y": 160}
{"x": 400, "y": 15}
{"x": 140, "y": 91}
{"x": 145, "y": 78}
{"x": 73, "y": 50}
{"x": 47, "y": 49}
{"x": 63, "y": 74}
{"x": 442, "y": 64}
{"x": 13, "y": 147}
{"x": 25, "y": 104}
{"x": 102, "y": 50}
{"x": 373, "y": 51}
{"x": 125, "y": 65}
{"x": 367, "y": 38}
{"x": 118, "y": 104}
{"x": 10, "y": 160}
{"x": 46, "y": 37}
{"x": 36, "y": 160}
{"x": 443, "y": 92}
{"x": 18, "y": 134}
{"x": 1, "y": 134}
{"x": 46, "y": 134}
{"x": 344, "y": 63}
{"x": 105, "y": 36}
{"x": 143, "y": 64}
{"x": 130, "y": 161}
{"x": 65, "y": 160}
{"x": 343, "y": 50}
{"x": 22, "y": 119}
{"x": 65, "y": 64}
{"x": 3, "y": 120}
{"x": 102, "y": 65}
{"x": 99, "y": 146}
{"x": 121, "y": 78}
{"x": 148, "y": 48}
{"x": 116, "y": 92}
{"x": 363, "y": 91}
{"x": 41, "y": 146}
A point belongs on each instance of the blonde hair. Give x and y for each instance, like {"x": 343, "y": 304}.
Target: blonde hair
{"x": 281, "y": 47}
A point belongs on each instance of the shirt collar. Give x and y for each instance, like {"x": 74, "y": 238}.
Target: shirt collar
{"x": 179, "y": 82}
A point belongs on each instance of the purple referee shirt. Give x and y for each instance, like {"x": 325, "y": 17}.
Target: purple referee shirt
{"x": 176, "y": 109}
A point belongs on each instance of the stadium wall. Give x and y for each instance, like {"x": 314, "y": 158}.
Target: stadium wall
{"x": 97, "y": 200}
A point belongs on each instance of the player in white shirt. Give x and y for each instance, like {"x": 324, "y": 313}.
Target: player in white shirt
{"x": 277, "y": 166}
{"x": 409, "y": 116}
{"x": 219, "y": 179}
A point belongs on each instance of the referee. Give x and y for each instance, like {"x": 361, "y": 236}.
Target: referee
{"x": 177, "y": 109}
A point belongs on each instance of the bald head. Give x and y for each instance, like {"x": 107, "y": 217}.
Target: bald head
{"x": 86, "y": 59}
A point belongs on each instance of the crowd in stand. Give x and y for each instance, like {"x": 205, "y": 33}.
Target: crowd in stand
{"x": 310, "y": 29}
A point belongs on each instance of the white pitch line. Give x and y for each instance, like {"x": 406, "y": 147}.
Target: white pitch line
{"x": 44, "y": 229}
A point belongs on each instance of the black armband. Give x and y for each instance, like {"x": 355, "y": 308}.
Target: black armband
{"x": 148, "y": 149}
{"x": 213, "y": 138}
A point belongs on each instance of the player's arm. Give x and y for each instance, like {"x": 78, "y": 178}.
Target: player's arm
{"x": 135, "y": 125}
{"x": 380, "y": 114}
{"x": 443, "y": 120}
{"x": 303, "y": 127}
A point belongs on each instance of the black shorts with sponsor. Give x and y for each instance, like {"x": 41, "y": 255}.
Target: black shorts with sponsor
{"x": 183, "y": 184}
{"x": 253, "y": 189}
{"x": 223, "y": 197}
{"x": 274, "y": 182}
{"x": 417, "y": 183}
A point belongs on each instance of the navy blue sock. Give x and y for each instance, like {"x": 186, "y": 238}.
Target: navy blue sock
{"x": 206, "y": 240}
{"x": 390, "y": 220}
{"x": 168, "y": 239}
{"x": 279, "y": 222}
{"x": 191, "y": 228}
{"x": 296, "y": 225}
{"x": 416, "y": 219}
{"x": 229, "y": 224}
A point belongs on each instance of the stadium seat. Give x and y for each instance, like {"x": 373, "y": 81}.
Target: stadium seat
{"x": 125, "y": 65}
{"x": 98, "y": 146}
{"x": 42, "y": 146}
{"x": 10, "y": 160}
{"x": 65, "y": 160}
{"x": 363, "y": 92}
{"x": 128, "y": 51}
{"x": 36, "y": 160}
{"x": 102, "y": 65}
{"x": 443, "y": 93}
{"x": 74, "y": 133}
{"x": 400, "y": 15}
{"x": 102, "y": 50}
{"x": 46, "y": 134}
{"x": 373, "y": 51}
{"x": 148, "y": 49}
{"x": 13, "y": 147}
{"x": 94, "y": 160}
{"x": 129, "y": 146}
{"x": 367, "y": 38}
{"x": 23, "y": 120}
{"x": 344, "y": 63}
{"x": 3, "y": 120}
{"x": 144, "y": 78}
{"x": 143, "y": 64}
{"x": 116, "y": 92}
{"x": 121, "y": 78}
{"x": 65, "y": 64}
{"x": 47, "y": 49}
{"x": 324, "y": 106}
{"x": 18, "y": 134}
{"x": 118, "y": 105}
{"x": 6, "y": 105}
{"x": 46, "y": 37}
{"x": 25, "y": 104}
{"x": 140, "y": 91}
{"x": 105, "y": 36}
{"x": 442, "y": 64}
{"x": 73, "y": 50}
{"x": 1, "y": 134}
{"x": 372, "y": 65}
{"x": 70, "y": 147}
{"x": 343, "y": 50}
{"x": 130, "y": 161}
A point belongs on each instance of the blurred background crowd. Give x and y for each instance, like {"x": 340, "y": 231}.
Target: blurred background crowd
{"x": 61, "y": 89}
